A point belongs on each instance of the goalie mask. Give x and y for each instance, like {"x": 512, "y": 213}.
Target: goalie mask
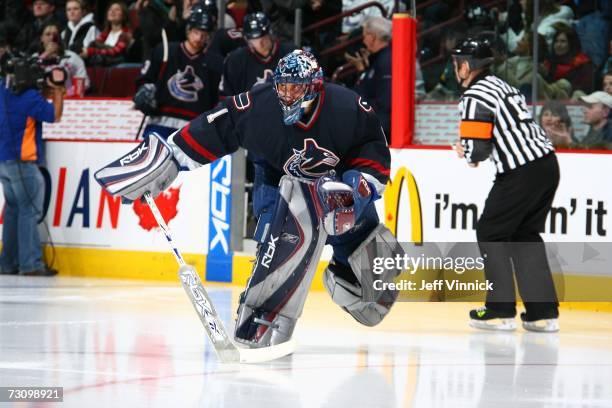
{"x": 298, "y": 80}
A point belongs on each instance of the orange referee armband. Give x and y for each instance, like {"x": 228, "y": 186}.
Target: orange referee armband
{"x": 475, "y": 130}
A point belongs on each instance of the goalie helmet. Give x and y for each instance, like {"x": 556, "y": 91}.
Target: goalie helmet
{"x": 298, "y": 80}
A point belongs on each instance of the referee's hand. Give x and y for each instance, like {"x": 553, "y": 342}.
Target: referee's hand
{"x": 458, "y": 148}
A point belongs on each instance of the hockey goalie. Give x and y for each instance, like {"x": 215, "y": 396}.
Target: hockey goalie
{"x": 326, "y": 162}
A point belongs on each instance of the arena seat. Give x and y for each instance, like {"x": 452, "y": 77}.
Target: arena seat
{"x": 116, "y": 82}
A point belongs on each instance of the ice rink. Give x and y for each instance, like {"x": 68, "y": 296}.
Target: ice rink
{"x": 115, "y": 343}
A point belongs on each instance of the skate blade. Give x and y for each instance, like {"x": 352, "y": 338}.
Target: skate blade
{"x": 542, "y": 326}
{"x": 494, "y": 324}
{"x": 263, "y": 354}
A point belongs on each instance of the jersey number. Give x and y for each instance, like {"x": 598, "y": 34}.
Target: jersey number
{"x": 519, "y": 105}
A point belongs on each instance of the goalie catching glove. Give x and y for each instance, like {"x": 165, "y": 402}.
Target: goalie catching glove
{"x": 343, "y": 201}
{"x": 150, "y": 167}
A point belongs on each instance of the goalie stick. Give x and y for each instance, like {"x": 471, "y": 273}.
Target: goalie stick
{"x": 227, "y": 351}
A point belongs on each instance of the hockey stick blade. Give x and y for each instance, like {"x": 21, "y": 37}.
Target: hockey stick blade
{"x": 227, "y": 351}
{"x": 225, "y": 348}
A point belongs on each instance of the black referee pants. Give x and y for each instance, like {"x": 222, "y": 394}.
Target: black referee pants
{"x": 508, "y": 233}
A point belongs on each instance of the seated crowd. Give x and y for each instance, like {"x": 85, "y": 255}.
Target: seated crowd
{"x": 573, "y": 43}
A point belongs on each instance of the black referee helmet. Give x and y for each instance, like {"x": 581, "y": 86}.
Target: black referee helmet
{"x": 255, "y": 25}
{"x": 477, "y": 52}
{"x": 201, "y": 18}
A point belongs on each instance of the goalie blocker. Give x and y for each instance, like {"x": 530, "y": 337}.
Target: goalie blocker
{"x": 150, "y": 167}
{"x": 286, "y": 263}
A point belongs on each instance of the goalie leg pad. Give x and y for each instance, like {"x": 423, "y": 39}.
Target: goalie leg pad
{"x": 284, "y": 268}
{"x": 367, "y": 305}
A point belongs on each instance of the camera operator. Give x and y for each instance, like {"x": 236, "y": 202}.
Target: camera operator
{"x": 23, "y": 108}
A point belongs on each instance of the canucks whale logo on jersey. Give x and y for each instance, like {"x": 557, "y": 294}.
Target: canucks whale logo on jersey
{"x": 185, "y": 85}
{"x": 310, "y": 162}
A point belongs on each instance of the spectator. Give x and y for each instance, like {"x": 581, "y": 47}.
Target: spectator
{"x": 112, "y": 44}
{"x": 512, "y": 24}
{"x": 607, "y": 82}
{"x": 81, "y": 30}
{"x": 22, "y": 114}
{"x": 569, "y": 62}
{"x": 597, "y": 115}
{"x": 550, "y": 14}
{"x": 51, "y": 47}
{"x": 518, "y": 71}
{"x": 355, "y": 21}
{"x": 593, "y": 30}
{"x": 556, "y": 122}
{"x": 374, "y": 84}
{"x": 29, "y": 35}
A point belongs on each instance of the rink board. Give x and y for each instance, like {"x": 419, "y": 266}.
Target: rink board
{"x": 95, "y": 236}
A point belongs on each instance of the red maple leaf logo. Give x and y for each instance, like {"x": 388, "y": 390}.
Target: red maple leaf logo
{"x": 166, "y": 202}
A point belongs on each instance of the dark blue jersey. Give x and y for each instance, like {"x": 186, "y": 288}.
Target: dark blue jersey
{"x": 342, "y": 132}
{"x": 225, "y": 41}
{"x": 186, "y": 84}
{"x": 375, "y": 86}
{"x": 244, "y": 68}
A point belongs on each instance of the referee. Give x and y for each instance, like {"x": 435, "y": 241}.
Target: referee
{"x": 496, "y": 124}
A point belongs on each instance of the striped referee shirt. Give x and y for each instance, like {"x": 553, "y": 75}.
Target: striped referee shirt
{"x": 496, "y": 123}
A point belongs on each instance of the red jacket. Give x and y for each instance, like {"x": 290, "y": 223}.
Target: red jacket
{"x": 99, "y": 48}
{"x": 578, "y": 71}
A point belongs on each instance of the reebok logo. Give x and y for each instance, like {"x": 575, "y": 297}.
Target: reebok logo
{"x": 133, "y": 155}
{"x": 267, "y": 258}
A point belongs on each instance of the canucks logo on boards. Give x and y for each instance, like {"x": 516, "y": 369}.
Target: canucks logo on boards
{"x": 185, "y": 85}
{"x": 310, "y": 162}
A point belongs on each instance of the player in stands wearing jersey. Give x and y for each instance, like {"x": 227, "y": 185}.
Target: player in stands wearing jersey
{"x": 244, "y": 68}
{"x": 180, "y": 81}
{"x": 224, "y": 40}
{"x": 328, "y": 157}
{"x": 254, "y": 63}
